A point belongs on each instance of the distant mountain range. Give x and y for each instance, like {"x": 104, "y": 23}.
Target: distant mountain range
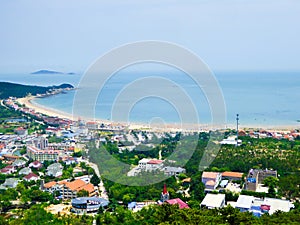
{"x": 50, "y": 72}
{"x": 19, "y": 90}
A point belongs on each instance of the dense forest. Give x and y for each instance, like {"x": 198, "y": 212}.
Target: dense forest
{"x": 19, "y": 90}
{"x": 156, "y": 214}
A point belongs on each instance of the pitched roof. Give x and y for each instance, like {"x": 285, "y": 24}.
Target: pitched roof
{"x": 88, "y": 187}
{"x": 212, "y": 175}
{"x": 178, "y": 201}
{"x": 29, "y": 176}
{"x": 210, "y": 183}
{"x": 74, "y": 185}
{"x": 155, "y": 161}
{"x": 49, "y": 184}
{"x": 232, "y": 174}
{"x": 165, "y": 191}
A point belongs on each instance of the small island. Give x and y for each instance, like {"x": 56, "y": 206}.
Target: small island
{"x": 51, "y": 72}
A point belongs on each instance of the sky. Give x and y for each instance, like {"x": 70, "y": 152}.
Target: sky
{"x": 69, "y": 35}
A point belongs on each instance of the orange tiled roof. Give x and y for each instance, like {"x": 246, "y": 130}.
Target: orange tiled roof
{"x": 232, "y": 174}
{"x": 88, "y": 187}
{"x": 49, "y": 184}
{"x": 210, "y": 183}
{"x": 75, "y": 185}
{"x": 212, "y": 175}
{"x": 187, "y": 180}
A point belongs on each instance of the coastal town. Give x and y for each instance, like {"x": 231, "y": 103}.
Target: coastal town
{"x": 49, "y": 156}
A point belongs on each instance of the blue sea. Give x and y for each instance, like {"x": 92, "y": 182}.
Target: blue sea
{"x": 260, "y": 98}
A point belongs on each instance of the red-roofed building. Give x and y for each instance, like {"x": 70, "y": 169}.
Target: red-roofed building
{"x": 31, "y": 177}
{"x": 8, "y": 170}
{"x": 179, "y": 202}
{"x": 150, "y": 164}
{"x": 36, "y": 165}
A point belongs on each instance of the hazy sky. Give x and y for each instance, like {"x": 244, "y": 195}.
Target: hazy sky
{"x": 68, "y": 35}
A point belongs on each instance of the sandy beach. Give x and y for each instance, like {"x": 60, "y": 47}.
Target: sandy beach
{"x": 28, "y": 102}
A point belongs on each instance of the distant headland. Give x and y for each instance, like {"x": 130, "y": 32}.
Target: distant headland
{"x": 20, "y": 90}
{"x": 51, "y": 72}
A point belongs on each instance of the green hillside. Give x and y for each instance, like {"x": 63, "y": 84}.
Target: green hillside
{"x": 19, "y": 90}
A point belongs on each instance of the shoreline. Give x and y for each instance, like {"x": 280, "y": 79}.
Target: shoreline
{"x": 169, "y": 127}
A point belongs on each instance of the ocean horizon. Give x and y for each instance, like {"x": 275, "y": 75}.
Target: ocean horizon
{"x": 260, "y": 98}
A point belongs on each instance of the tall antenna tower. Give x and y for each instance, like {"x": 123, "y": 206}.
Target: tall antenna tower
{"x": 237, "y": 129}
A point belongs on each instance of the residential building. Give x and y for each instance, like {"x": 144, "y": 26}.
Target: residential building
{"x": 8, "y": 170}
{"x": 70, "y": 189}
{"x": 231, "y": 141}
{"x": 36, "y": 165}
{"x": 171, "y": 171}
{"x": 211, "y": 180}
{"x": 256, "y": 177}
{"x": 55, "y": 170}
{"x": 244, "y": 203}
{"x": 232, "y": 175}
{"x": 25, "y": 171}
{"x": 21, "y": 131}
{"x": 11, "y": 182}
{"x": 42, "y": 155}
{"x": 260, "y": 206}
{"x": 92, "y": 125}
{"x": 19, "y": 163}
{"x": 212, "y": 201}
{"x": 31, "y": 177}
{"x": 150, "y": 164}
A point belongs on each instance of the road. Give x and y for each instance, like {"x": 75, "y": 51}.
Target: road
{"x": 103, "y": 192}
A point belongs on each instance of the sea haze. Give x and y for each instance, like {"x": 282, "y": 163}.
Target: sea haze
{"x": 261, "y": 98}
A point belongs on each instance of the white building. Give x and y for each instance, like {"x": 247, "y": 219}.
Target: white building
{"x": 211, "y": 180}
{"x": 231, "y": 141}
{"x": 150, "y": 164}
{"x": 244, "y": 203}
{"x": 212, "y": 201}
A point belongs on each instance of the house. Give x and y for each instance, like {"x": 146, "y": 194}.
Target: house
{"x": 19, "y": 163}
{"x": 10, "y": 157}
{"x": 8, "y": 170}
{"x": 260, "y": 206}
{"x": 55, "y": 170}
{"x": 70, "y": 189}
{"x": 53, "y": 186}
{"x": 11, "y": 182}
{"x": 179, "y": 202}
{"x": 92, "y": 125}
{"x": 257, "y": 176}
{"x": 231, "y": 141}
{"x": 69, "y": 160}
{"x": 21, "y": 131}
{"x": 232, "y": 175}
{"x": 25, "y": 171}
{"x": 211, "y": 180}
{"x": 171, "y": 171}
{"x": 150, "y": 164}
{"x": 244, "y": 203}
{"x": 212, "y": 201}
{"x": 36, "y": 165}
{"x": 274, "y": 205}
{"x": 31, "y": 177}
